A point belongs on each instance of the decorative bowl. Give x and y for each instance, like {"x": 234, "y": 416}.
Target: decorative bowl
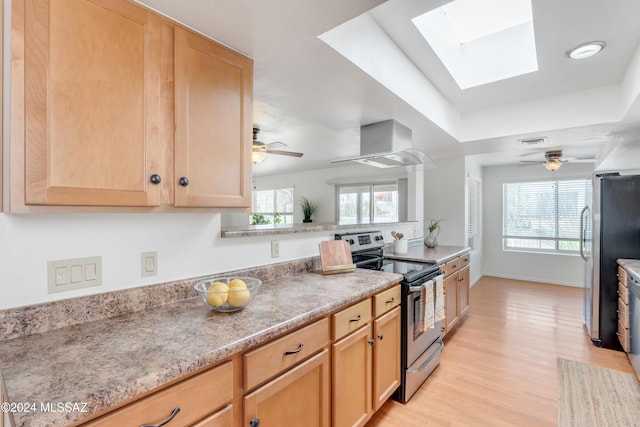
{"x": 229, "y": 293}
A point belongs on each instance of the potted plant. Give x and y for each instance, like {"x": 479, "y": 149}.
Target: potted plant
{"x": 308, "y": 209}
{"x": 431, "y": 241}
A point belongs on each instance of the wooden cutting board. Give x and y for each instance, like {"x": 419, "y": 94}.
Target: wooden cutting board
{"x": 335, "y": 257}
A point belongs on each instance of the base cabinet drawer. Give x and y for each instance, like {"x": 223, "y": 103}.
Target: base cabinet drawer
{"x": 196, "y": 397}
{"x": 351, "y": 319}
{"x": 277, "y": 356}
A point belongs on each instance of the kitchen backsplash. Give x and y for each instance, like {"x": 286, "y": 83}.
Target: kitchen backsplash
{"x": 33, "y": 319}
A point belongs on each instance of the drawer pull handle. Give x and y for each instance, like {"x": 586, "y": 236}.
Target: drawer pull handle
{"x": 165, "y": 422}
{"x": 453, "y": 266}
{"x": 356, "y": 319}
{"x": 297, "y": 350}
{"x": 619, "y": 311}
{"x": 255, "y": 422}
{"x": 389, "y": 301}
{"x": 618, "y": 334}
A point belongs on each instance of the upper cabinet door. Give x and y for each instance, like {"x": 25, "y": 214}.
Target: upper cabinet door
{"x": 213, "y": 111}
{"x": 93, "y": 120}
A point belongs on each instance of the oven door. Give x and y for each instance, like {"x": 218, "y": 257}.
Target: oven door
{"x": 417, "y": 341}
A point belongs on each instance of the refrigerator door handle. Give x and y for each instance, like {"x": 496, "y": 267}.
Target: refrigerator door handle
{"x": 582, "y": 233}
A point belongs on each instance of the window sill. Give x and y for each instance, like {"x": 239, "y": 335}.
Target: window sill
{"x": 270, "y": 229}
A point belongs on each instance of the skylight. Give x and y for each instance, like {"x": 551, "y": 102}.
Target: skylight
{"x": 472, "y": 19}
{"x": 481, "y": 41}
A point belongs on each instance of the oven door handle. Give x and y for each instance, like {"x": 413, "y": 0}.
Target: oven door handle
{"x": 429, "y": 359}
{"x": 419, "y": 288}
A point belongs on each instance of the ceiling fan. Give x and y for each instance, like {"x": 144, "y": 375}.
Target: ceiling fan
{"x": 260, "y": 149}
{"x": 554, "y": 159}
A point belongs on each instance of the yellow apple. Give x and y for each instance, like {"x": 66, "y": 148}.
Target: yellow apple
{"x": 218, "y": 293}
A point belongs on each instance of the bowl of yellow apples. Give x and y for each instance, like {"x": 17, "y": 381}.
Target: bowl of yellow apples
{"x": 228, "y": 294}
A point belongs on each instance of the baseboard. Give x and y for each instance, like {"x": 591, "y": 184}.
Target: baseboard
{"x": 532, "y": 279}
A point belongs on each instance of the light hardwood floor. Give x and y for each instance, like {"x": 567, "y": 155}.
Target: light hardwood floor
{"x": 498, "y": 367}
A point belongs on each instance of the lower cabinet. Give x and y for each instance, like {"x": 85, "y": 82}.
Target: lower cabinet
{"x": 386, "y": 357}
{"x": 456, "y": 290}
{"x": 299, "y": 397}
{"x": 292, "y": 375}
{"x": 623, "y": 310}
{"x": 352, "y": 378}
{"x": 366, "y": 362}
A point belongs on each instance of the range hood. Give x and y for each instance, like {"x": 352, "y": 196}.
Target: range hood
{"x": 386, "y": 144}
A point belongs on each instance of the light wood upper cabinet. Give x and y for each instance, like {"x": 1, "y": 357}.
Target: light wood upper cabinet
{"x": 113, "y": 104}
{"x": 213, "y": 110}
{"x": 93, "y": 79}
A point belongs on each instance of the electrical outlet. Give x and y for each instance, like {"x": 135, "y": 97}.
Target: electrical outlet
{"x": 148, "y": 264}
{"x": 76, "y": 273}
{"x": 275, "y": 248}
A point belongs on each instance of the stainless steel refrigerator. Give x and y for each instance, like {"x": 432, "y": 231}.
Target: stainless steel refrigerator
{"x": 610, "y": 229}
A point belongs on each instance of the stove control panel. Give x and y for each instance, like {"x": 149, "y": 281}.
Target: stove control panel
{"x": 359, "y": 241}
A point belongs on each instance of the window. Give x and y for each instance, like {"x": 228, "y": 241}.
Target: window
{"x": 367, "y": 203}
{"x": 272, "y": 206}
{"x": 543, "y": 216}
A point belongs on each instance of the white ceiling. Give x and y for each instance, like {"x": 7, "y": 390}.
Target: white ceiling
{"x": 314, "y": 99}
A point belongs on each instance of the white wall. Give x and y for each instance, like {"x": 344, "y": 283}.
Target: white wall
{"x": 558, "y": 269}
{"x": 444, "y": 189}
{"x": 445, "y": 197}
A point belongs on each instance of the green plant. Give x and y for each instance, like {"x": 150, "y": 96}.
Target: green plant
{"x": 434, "y": 225}
{"x": 308, "y": 207}
{"x": 277, "y": 218}
{"x": 259, "y": 219}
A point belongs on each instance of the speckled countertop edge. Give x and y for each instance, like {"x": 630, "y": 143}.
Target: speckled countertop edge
{"x": 420, "y": 253}
{"x": 111, "y": 361}
{"x": 632, "y": 266}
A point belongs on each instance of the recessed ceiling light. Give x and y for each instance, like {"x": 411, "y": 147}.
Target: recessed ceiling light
{"x": 586, "y": 50}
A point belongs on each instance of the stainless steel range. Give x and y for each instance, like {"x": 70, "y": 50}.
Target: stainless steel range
{"x": 420, "y": 349}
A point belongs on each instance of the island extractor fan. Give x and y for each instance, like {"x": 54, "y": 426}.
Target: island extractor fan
{"x": 554, "y": 159}
{"x": 260, "y": 149}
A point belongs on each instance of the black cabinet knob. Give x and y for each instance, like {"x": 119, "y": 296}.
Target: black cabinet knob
{"x": 155, "y": 178}
{"x": 255, "y": 422}
{"x": 184, "y": 181}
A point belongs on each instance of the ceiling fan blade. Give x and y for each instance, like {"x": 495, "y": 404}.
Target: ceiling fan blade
{"x": 285, "y": 153}
{"x": 275, "y": 144}
{"x": 533, "y": 162}
{"x": 583, "y": 160}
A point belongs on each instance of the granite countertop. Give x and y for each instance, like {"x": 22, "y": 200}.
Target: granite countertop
{"x": 420, "y": 253}
{"x": 632, "y": 266}
{"x": 108, "y": 362}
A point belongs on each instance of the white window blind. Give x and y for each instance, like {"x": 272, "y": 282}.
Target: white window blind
{"x": 473, "y": 206}
{"x": 543, "y": 216}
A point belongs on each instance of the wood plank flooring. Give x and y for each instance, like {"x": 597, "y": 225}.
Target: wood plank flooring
{"x": 498, "y": 366}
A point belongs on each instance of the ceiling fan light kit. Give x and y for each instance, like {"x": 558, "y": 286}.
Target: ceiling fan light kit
{"x": 259, "y": 149}
{"x": 554, "y": 159}
{"x": 553, "y": 164}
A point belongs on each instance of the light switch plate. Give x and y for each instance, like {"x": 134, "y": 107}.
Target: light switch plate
{"x": 76, "y": 273}
{"x": 148, "y": 264}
